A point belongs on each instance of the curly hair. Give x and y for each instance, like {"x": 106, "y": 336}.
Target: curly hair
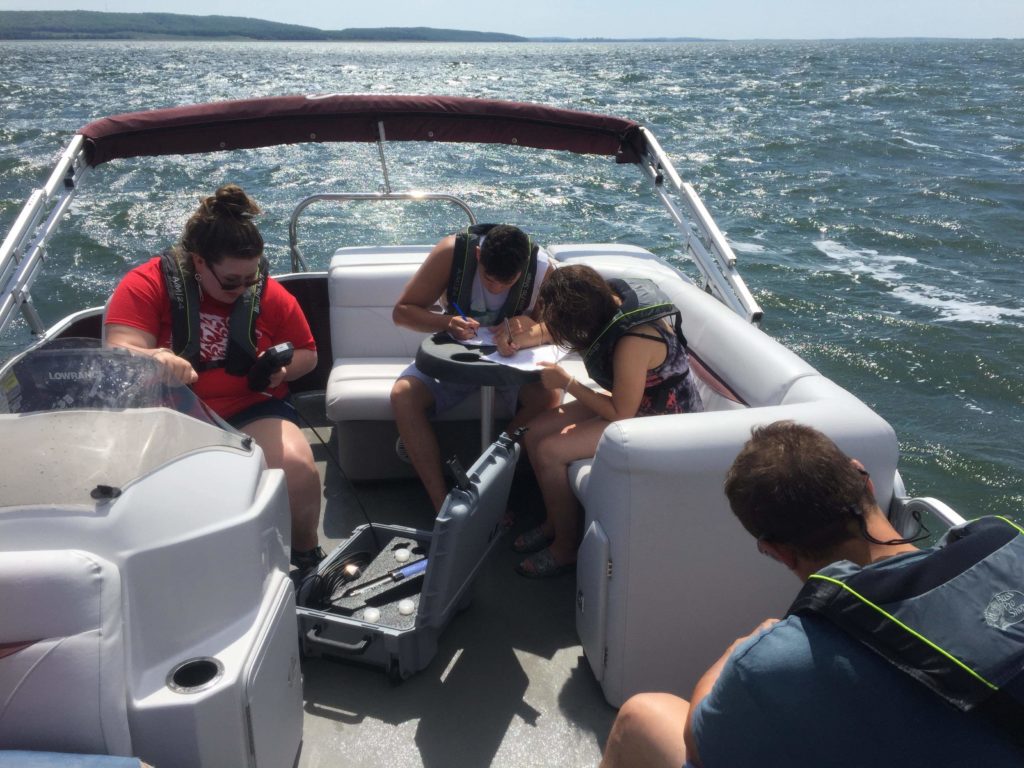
{"x": 576, "y": 304}
{"x": 222, "y": 226}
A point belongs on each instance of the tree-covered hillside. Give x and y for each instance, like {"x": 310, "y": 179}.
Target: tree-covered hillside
{"x": 91, "y": 25}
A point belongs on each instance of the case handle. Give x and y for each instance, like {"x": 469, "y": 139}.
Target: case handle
{"x": 313, "y": 636}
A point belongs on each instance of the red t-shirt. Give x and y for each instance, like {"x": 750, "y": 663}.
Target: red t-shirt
{"x": 141, "y": 301}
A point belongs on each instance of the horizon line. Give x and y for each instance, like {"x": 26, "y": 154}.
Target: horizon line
{"x": 550, "y": 37}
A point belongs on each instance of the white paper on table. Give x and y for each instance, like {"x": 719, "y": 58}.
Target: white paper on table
{"x": 483, "y": 338}
{"x": 529, "y": 359}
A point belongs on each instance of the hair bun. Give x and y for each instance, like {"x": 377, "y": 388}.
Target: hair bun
{"x": 231, "y": 200}
{"x": 223, "y": 225}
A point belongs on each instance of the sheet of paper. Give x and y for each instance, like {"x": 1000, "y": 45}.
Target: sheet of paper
{"x": 529, "y": 359}
{"x": 483, "y": 338}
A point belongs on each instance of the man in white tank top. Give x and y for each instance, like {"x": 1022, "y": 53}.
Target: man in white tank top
{"x": 480, "y": 277}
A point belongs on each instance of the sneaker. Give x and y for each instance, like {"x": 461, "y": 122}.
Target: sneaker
{"x": 401, "y": 452}
{"x": 308, "y": 588}
{"x": 308, "y": 560}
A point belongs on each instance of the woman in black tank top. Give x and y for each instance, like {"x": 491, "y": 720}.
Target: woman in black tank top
{"x": 649, "y": 374}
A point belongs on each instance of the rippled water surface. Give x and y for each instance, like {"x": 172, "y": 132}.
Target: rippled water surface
{"x": 873, "y": 191}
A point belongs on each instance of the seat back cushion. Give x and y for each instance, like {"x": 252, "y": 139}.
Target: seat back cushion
{"x": 363, "y": 288}
{"x": 754, "y": 368}
{"x": 62, "y": 662}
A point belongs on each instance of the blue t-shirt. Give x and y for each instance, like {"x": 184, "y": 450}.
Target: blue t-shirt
{"x": 20, "y": 759}
{"x": 805, "y": 694}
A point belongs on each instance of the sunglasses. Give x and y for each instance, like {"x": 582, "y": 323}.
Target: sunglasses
{"x": 234, "y": 284}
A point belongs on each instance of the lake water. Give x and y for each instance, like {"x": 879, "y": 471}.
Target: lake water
{"x": 872, "y": 190}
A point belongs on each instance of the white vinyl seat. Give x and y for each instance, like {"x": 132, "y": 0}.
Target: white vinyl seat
{"x": 370, "y": 352}
{"x": 62, "y": 663}
{"x": 657, "y": 522}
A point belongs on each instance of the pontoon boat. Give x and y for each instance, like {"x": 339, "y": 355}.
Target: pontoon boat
{"x": 143, "y": 579}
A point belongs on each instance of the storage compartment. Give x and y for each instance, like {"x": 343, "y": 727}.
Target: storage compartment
{"x": 592, "y": 576}
{"x": 273, "y": 688}
{"x": 385, "y": 594}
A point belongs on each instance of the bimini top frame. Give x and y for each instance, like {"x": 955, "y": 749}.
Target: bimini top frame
{"x": 272, "y": 121}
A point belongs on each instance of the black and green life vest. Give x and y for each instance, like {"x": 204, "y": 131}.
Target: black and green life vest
{"x": 185, "y": 331}
{"x": 642, "y": 302}
{"x": 953, "y": 620}
{"x": 464, "y": 266}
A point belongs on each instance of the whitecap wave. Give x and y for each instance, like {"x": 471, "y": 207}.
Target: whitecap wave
{"x": 919, "y": 144}
{"x": 746, "y": 247}
{"x": 868, "y": 262}
{"x": 955, "y": 307}
{"x": 951, "y": 306}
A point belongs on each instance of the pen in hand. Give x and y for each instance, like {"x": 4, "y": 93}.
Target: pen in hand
{"x": 508, "y": 332}
{"x": 471, "y": 325}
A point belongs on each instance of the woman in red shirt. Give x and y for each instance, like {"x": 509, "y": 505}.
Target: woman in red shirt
{"x": 204, "y": 310}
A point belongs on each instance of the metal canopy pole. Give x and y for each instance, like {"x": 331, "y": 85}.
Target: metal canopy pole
{"x": 299, "y": 260}
{"x": 716, "y": 260}
{"x": 383, "y": 161}
{"x": 24, "y": 248}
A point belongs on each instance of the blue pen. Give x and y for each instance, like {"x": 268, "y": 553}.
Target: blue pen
{"x": 461, "y": 313}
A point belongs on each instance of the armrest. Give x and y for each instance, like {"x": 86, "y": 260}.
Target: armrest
{"x": 681, "y": 460}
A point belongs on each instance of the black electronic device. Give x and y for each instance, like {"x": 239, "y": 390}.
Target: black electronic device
{"x": 269, "y": 363}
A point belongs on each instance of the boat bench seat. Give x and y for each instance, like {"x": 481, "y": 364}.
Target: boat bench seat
{"x": 369, "y": 353}
{"x": 737, "y": 367}
{"x": 657, "y": 521}
{"x": 62, "y": 662}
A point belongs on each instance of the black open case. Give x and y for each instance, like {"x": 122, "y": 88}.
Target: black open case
{"x": 396, "y": 623}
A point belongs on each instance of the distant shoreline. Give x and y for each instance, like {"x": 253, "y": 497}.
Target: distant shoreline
{"x": 43, "y": 26}
{"x": 47, "y": 26}
{"x": 4, "y": 38}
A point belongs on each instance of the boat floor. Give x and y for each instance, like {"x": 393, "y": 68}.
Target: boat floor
{"x": 509, "y": 685}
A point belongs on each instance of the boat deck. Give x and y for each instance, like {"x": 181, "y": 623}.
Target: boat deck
{"x": 509, "y": 685}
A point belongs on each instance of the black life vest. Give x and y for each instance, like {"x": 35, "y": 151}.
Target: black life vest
{"x": 642, "y": 302}
{"x": 953, "y": 620}
{"x": 464, "y": 265}
{"x": 185, "y": 332}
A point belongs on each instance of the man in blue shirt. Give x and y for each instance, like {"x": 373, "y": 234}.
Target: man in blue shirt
{"x": 802, "y": 691}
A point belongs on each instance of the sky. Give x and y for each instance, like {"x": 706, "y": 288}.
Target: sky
{"x": 728, "y": 19}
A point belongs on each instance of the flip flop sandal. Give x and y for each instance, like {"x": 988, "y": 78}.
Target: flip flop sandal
{"x": 542, "y": 565}
{"x": 532, "y": 540}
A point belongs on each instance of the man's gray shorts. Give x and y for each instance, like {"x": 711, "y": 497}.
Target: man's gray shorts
{"x": 448, "y": 394}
